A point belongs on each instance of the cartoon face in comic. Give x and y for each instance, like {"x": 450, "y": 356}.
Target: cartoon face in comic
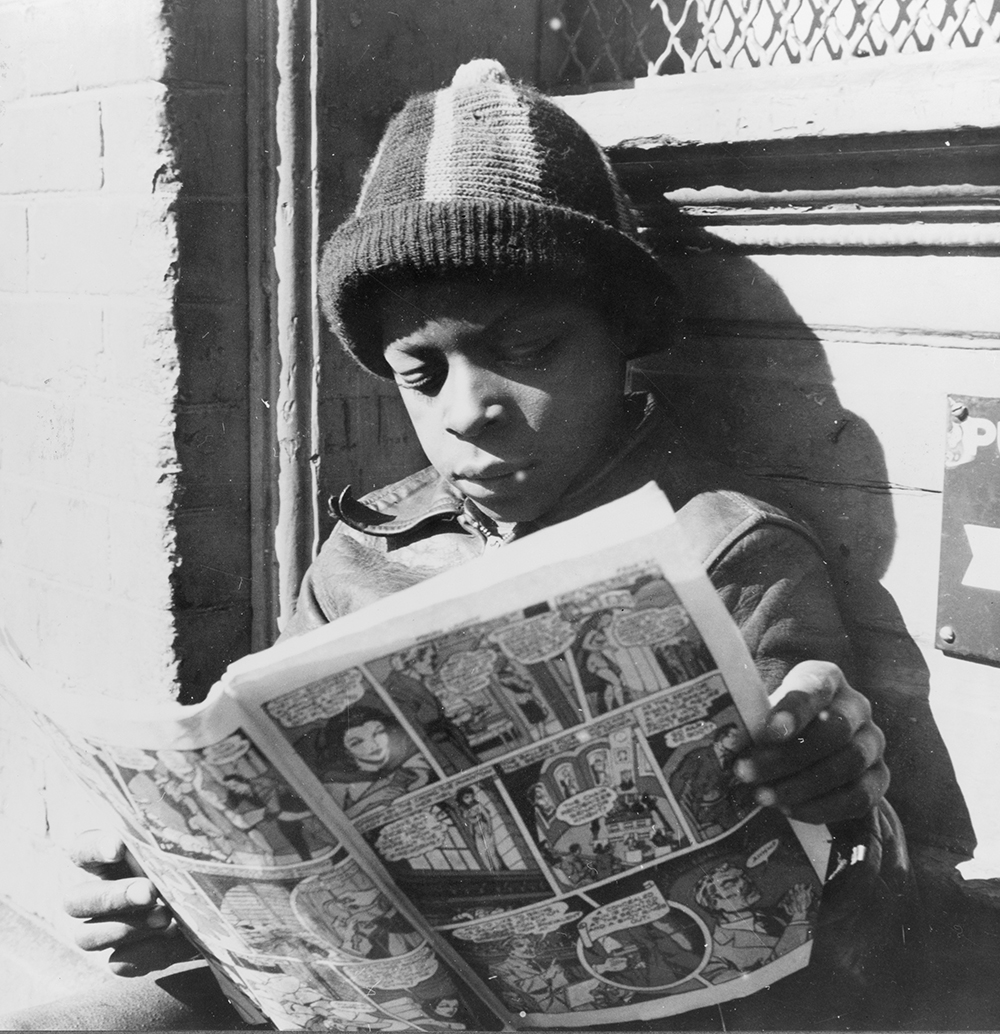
{"x": 221, "y": 803}
{"x": 633, "y": 638}
{"x": 697, "y": 761}
{"x": 359, "y": 749}
{"x": 483, "y": 691}
{"x": 643, "y": 942}
{"x": 352, "y": 916}
{"x": 598, "y": 809}
{"x": 758, "y": 898}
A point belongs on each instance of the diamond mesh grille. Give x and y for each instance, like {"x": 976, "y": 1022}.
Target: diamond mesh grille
{"x": 606, "y": 41}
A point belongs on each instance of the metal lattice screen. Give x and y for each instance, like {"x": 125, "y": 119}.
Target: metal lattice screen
{"x": 602, "y": 41}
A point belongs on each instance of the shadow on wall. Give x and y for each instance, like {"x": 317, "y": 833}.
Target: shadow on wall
{"x": 753, "y": 384}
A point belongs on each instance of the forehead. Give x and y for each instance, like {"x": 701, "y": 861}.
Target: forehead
{"x": 456, "y": 310}
{"x": 370, "y": 728}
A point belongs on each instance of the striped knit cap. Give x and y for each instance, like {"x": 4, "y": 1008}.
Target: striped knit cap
{"x": 489, "y": 175}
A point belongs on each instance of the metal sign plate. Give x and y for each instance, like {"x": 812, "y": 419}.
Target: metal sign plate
{"x": 968, "y": 615}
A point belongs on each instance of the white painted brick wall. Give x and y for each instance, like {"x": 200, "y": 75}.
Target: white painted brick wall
{"x": 88, "y": 373}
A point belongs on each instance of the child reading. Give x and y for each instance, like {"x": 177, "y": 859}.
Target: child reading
{"x": 492, "y": 270}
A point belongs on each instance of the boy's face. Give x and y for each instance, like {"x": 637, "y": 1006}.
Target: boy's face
{"x": 515, "y": 397}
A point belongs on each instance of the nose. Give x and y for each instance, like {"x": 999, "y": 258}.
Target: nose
{"x": 472, "y": 397}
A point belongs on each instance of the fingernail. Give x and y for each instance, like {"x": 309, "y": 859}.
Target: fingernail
{"x": 766, "y": 797}
{"x": 109, "y": 848}
{"x": 781, "y": 725}
{"x": 138, "y": 893}
{"x": 158, "y": 920}
{"x": 744, "y": 771}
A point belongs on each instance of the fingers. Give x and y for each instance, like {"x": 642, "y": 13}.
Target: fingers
{"x": 109, "y": 898}
{"x": 152, "y": 954}
{"x": 804, "y": 695}
{"x": 846, "y": 802}
{"x": 820, "y": 758}
{"x": 97, "y": 850}
{"x": 826, "y": 755}
{"x": 97, "y": 935}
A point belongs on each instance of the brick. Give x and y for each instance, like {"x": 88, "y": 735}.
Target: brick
{"x": 215, "y": 569}
{"x": 207, "y": 42}
{"x": 140, "y": 348}
{"x": 98, "y": 645}
{"x": 53, "y": 343}
{"x": 13, "y": 249}
{"x": 211, "y": 239}
{"x": 209, "y": 131}
{"x": 83, "y": 446}
{"x": 142, "y": 555}
{"x": 101, "y": 246}
{"x": 75, "y": 46}
{"x": 211, "y": 341}
{"x": 51, "y": 144}
{"x": 12, "y": 34}
{"x": 58, "y": 535}
{"x": 136, "y": 152}
{"x": 209, "y": 640}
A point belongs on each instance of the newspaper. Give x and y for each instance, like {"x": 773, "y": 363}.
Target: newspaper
{"x": 503, "y": 798}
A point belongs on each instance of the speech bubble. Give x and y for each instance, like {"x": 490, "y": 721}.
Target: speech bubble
{"x": 468, "y": 670}
{"x": 412, "y": 836}
{"x": 539, "y": 921}
{"x": 583, "y": 808}
{"x": 536, "y": 639}
{"x": 129, "y": 757}
{"x": 689, "y": 733}
{"x": 649, "y": 627}
{"x": 319, "y": 700}
{"x": 396, "y": 973}
{"x": 682, "y": 706}
{"x": 762, "y": 853}
{"x": 226, "y": 751}
{"x": 645, "y": 907}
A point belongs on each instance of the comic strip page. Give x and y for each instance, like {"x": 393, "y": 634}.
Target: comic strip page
{"x": 299, "y": 931}
{"x": 552, "y": 787}
{"x": 502, "y": 798}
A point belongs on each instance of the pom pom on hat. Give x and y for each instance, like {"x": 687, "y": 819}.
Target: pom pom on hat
{"x": 479, "y": 71}
{"x": 487, "y": 174}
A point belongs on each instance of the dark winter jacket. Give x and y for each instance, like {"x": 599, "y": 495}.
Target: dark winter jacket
{"x": 769, "y": 571}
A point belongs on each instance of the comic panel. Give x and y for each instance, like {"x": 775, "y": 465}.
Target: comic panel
{"x": 418, "y": 990}
{"x": 452, "y": 851}
{"x": 297, "y": 996}
{"x": 755, "y": 893}
{"x": 361, "y": 752}
{"x": 501, "y": 685}
{"x": 596, "y": 809}
{"x": 633, "y": 638}
{"x": 332, "y": 913}
{"x": 689, "y": 924}
{"x": 568, "y": 956}
{"x": 221, "y": 803}
{"x": 697, "y": 757}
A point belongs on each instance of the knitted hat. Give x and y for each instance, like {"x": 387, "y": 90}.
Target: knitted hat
{"x": 489, "y": 175}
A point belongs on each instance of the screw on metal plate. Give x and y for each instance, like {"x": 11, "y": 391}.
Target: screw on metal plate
{"x": 947, "y": 634}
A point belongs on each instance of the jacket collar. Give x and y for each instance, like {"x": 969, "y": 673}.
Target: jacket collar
{"x": 426, "y": 495}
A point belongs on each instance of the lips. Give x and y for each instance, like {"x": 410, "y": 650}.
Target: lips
{"x": 494, "y": 472}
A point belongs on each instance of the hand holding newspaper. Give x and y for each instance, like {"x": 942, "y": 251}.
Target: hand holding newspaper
{"x": 503, "y": 798}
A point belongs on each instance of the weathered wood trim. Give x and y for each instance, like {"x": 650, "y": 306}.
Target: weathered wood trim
{"x": 263, "y": 358}
{"x": 912, "y": 93}
{"x": 818, "y": 235}
{"x": 295, "y": 246}
{"x": 281, "y": 192}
